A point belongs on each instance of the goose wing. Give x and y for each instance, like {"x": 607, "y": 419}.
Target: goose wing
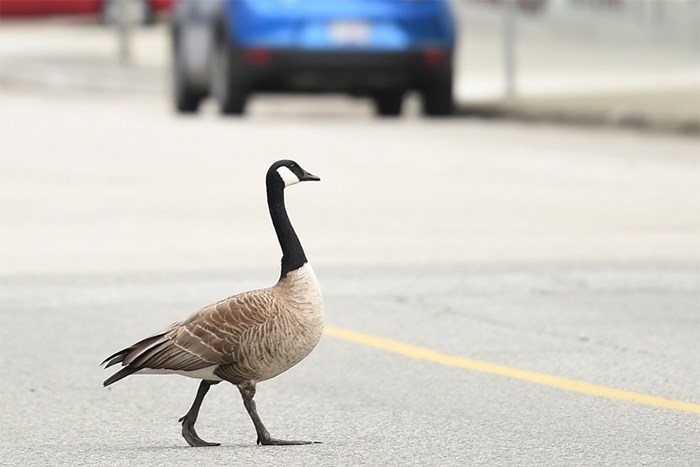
{"x": 209, "y": 336}
{"x": 214, "y": 333}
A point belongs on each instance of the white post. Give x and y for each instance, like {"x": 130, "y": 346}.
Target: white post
{"x": 124, "y": 31}
{"x": 508, "y": 42}
{"x": 658, "y": 12}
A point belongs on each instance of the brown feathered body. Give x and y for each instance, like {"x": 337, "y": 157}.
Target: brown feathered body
{"x": 252, "y": 336}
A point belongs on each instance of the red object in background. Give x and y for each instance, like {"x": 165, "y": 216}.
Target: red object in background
{"x": 48, "y": 7}
{"x": 65, "y": 7}
{"x": 161, "y": 5}
{"x": 433, "y": 57}
{"x": 257, "y": 56}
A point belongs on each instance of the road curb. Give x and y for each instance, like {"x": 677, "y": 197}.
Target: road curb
{"x": 566, "y": 114}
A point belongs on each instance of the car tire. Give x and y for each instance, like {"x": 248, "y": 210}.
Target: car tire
{"x": 228, "y": 90}
{"x": 187, "y": 99}
{"x": 437, "y": 97}
{"x": 388, "y": 103}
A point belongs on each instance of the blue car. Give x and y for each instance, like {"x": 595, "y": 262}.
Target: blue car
{"x": 376, "y": 48}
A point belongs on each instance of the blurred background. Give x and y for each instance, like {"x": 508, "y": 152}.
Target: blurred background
{"x": 513, "y": 181}
{"x": 631, "y": 62}
{"x": 124, "y": 87}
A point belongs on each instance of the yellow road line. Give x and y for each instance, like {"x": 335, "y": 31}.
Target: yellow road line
{"x": 422, "y": 353}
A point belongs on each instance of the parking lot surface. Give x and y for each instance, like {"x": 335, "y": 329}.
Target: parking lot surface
{"x": 562, "y": 252}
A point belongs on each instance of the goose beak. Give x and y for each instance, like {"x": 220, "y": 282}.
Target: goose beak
{"x": 309, "y": 177}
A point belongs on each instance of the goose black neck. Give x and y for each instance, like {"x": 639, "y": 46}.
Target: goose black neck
{"x": 293, "y": 256}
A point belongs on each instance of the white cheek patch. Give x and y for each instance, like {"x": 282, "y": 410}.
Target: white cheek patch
{"x": 287, "y": 176}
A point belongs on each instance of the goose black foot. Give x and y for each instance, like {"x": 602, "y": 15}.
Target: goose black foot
{"x": 247, "y": 390}
{"x": 189, "y": 419}
{"x": 191, "y": 436}
{"x": 283, "y": 442}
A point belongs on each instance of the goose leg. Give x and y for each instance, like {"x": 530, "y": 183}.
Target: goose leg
{"x": 189, "y": 419}
{"x": 247, "y": 390}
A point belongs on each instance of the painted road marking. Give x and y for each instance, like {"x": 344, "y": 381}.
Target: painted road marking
{"x": 422, "y": 353}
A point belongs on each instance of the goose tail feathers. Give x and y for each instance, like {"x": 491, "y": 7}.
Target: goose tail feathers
{"x": 129, "y": 357}
{"x": 123, "y": 373}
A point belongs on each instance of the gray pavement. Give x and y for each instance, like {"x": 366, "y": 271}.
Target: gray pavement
{"x": 121, "y": 183}
{"x": 587, "y": 322}
{"x": 563, "y": 251}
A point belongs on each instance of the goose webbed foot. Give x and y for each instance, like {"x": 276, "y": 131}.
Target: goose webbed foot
{"x": 247, "y": 390}
{"x": 191, "y": 436}
{"x": 189, "y": 419}
{"x": 268, "y": 441}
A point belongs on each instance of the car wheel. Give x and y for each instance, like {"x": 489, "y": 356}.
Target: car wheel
{"x": 229, "y": 92}
{"x": 187, "y": 98}
{"x": 437, "y": 97}
{"x": 388, "y": 103}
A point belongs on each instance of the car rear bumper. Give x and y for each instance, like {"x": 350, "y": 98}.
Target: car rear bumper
{"x": 334, "y": 71}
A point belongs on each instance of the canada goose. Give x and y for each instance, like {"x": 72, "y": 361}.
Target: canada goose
{"x": 244, "y": 339}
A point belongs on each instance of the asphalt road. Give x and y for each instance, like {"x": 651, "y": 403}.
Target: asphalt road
{"x": 564, "y": 252}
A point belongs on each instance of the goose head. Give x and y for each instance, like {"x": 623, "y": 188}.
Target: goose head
{"x": 287, "y": 172}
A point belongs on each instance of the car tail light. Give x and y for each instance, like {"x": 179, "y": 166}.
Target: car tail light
{"x": 433, "y": 56}
{"x": 256, "y": 56}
